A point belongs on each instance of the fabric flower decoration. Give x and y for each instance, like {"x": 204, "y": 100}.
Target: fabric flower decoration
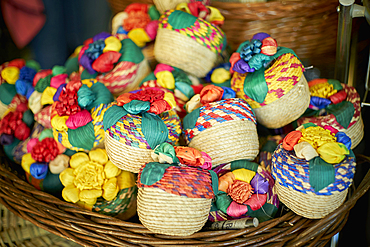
{"x": 310, "y": 141}
{"x": 201, "y": 10}
{"x": 166, "y": 153}
{"x": 43, "y": 163}
{"x": 328, "y": 96}
{"x": 46, "y": 84}
{"x": 92, "y": 177}
{"x": 245, "y": 190}
{"x": 174, "y": 80}
{"x": 209, "y": 93}
{"x": 253, "y": 55}
{"x": 138, "y": 21}
{"x": 76, "y": 112}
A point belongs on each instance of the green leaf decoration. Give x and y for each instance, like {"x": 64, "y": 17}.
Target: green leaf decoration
{"x": 153, "y": 172}
{"x": 154, "y": 129}
{"x": 266, "y": 212}
{"x": 112, "y": 115}
{"x": 214, "y": 178}
{"x": 321, "y": 173}
{"x": 179, "y": 19}
{"x": 307, "y": 125}
{"x": 343, "y": 112}
{"x": 191, "y": 119}
{"x": 82, "y": 137}
{"x": 246, "y": 164}
{"x": 130, "y": 52}
{"x": 223, "y": 201}
{"x": 87, "y": 75}
{"x": 336, "y": 84}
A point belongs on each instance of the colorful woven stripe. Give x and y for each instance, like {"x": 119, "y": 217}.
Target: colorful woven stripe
{"x": 172, "y": 120}
{"x": 184, "y": 181}
{"x": 43, "y": 117}
{"x": 97, "y": 114}
{"x": 123, "y": 74}
{"x": 124, "y": 200}
{"x": 201, "y": 31}
{"x": 218, "y": 112}
{"x": 128, "y": 131}
{"x": 280, "y": 78}
{"x": 329, "y": 120}
{"x": 292, "y": 172}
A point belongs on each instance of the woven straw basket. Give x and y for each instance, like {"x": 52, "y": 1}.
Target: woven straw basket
{"x": 288, "y": 94}
{"x": 355, "y": 129}
{"x": 193, "y": 49}
{"x": 178, "y": 203}
{"x": 128, "y": 149}
{"x": 309, "y": 28}
{"x": 294, "y": 189}
{"x": 91, "y": 229}
{"x": 222, "y": 132}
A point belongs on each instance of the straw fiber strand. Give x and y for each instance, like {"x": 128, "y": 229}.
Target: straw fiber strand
{"x": 355, "y": 132}
{"x": 300, "y": 202}
{"x": 126, "y": 157}
{"x": 183, "y": 52}
{"x": 287, "y": 109}
{"x": 92, "y": 229}
{"x": 3, "y": 109}
{"x": 224, "y": 145}
{"x": 163, "y": 5}
{"x": 169, "y": 214}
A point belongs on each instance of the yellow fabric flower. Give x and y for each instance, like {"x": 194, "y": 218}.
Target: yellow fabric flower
{"x": 165, "y": 79}
{"x": 244, "y": 175}
{"x": 333, "y": 152}
{"x": 47, "y": 96}
{"x": 220, "y": 75}
{"x": 322, "y": 90}
{"x": 10, "y": 74}
{"x": 317, "y": 136}
{"x": 27, "y": 161}
{"x": 91, "y": 176}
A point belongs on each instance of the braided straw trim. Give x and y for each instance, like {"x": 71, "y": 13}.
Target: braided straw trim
{"x": 228, "y": 141}
{"x": 309, "y": 205}
{"x": 169, "y": 214}
{"x": 163, "y": 5}
{"x": 286, "y": 109}
{"x": 126, "y": 157}
{"x": 180, "y": 51}
{"x": 3, "y": 109}
{"x": 355, "y": 132}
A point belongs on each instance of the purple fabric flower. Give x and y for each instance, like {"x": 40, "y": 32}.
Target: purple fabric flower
{"x": 102, "y": 35}
{"x": 260, "y": 36}
{"x": 242, "y": 67}
{"x": 260, "y": 184}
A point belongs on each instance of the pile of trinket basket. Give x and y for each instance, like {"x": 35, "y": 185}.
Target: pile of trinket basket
{"x": 89, "y": 148}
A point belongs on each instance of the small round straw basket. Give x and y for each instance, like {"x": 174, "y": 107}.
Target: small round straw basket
{"x": 87, "y": 228}
{"x": 355, "y": 129}
{"x": 126, "y": 145}
{"x": 192, "y": 46}
{"x": 294, "y": 190}
{"x": 178, "y": 204}
{"x": 225, "y": 130}
{"x": 288, "y": 94}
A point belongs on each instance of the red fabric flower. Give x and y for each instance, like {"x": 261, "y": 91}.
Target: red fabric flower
{"x": 240, "y": 191}
{"x": 291, "y": 139}
{"x": 45, "y": 151}
{"x": 150, "y": 95}
{"x": 136, "y": 19}
{"x": 12, "y": 124}
{"x": 68, "y": 104}
{"x": 189, "y": 156}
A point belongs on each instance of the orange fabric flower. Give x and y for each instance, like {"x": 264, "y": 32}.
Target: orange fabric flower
{"x": 136, "y": 19}
{"x": 291, "y": 139}
{"x": 123, "y": 99}
{"x": 189, "y": 156}
{"x": 240, "y": 191}
{"x": 225, "y": 181}
{"x": 211, "y": 93}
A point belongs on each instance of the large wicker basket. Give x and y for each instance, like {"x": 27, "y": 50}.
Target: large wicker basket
{"x": 92, "y": 229}
{"x": 307, "y": 27}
